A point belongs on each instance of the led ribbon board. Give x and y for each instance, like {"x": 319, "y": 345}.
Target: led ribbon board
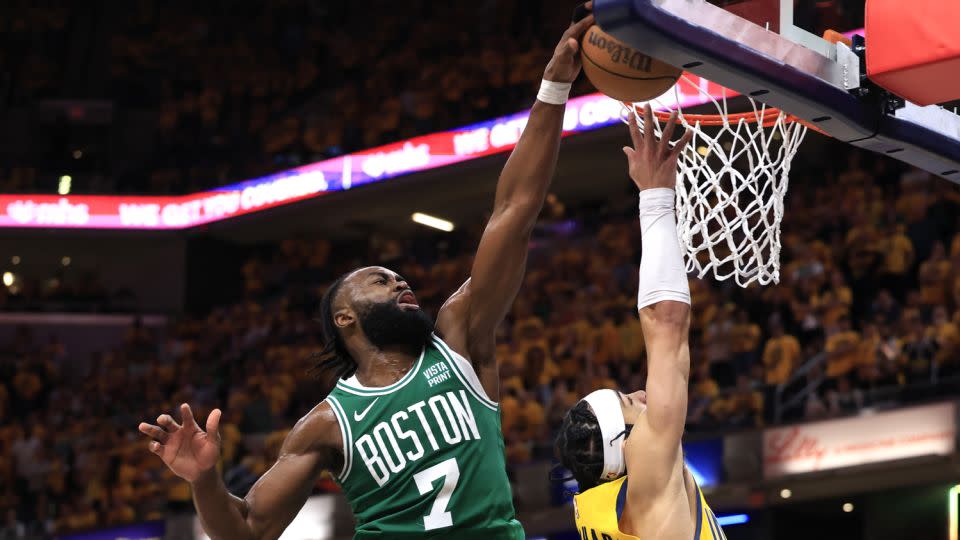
{"x": 585, "y": 113}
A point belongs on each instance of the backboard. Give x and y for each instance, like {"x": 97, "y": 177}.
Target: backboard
{"x": 760, "y": 48}
{"x": 797, "y": 21}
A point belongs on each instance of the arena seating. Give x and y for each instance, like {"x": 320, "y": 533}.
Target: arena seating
{"x": 206, "y": 95}
{"x": 868, "y": 311}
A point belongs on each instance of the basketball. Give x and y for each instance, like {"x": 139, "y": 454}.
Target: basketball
{"x": 622, "y": 72}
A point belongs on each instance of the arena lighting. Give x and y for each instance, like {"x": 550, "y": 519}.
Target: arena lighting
{"x": 953, "y": 520}
{"x": 733, "y": 519}
{"x": 696, "y": 474}
{"x": 430, "y": 221}
{"x": 15, "y": 260}
{"x": 494, "y": 136}
{"x": 64, "y": 187}
{"x": 432, "y": 151}
{"x": 786, "y": 493}
{"x": 65, "y": 261}
{"x": 8, "y": 278}
{"x": 848, "y": 507}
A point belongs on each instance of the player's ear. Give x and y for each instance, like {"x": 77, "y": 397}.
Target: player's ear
{"x": 344, "y": 317}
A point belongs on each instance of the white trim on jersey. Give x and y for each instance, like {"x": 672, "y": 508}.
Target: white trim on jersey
{"x": 464, "y": 371}
{"x": 347, "y": 435}
{"x": 353, "y": 386}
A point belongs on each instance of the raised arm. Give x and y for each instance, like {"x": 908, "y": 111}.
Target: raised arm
{"x": 468, "y": 320}
{"x": 663, "y": 302}
{"x": 278, "y": 495}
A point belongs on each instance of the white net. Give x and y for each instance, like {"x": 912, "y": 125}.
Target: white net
{"x": 732, "y": 179}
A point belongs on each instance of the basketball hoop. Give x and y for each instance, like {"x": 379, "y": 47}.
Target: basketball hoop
{"x": 732, "y": 179}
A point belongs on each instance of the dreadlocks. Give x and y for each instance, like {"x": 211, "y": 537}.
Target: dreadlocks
{"x": 334, "y": 361}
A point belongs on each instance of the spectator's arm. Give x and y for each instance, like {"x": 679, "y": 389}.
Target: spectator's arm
{"x": 838, "y": 347}
{"x": 768, "y": 358}
{"x": 844, "y": 347}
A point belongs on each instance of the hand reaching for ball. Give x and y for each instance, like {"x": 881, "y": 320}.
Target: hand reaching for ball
{"x": 565, "y": 64}
{"x": 653, "y": 162}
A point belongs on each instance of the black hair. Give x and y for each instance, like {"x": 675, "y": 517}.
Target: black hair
{"x": 579, "y": 445}
{"x": 334, "y": 361}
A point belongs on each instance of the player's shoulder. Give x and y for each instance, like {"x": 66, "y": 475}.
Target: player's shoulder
{"x": 457, "y": 305}
{"x": 661, "y": 471}
{"x": 600, "y": 506}
{"x": 452, "y": 319}
{"x": 603, "y": 493}
{"x": 317, "y": 430}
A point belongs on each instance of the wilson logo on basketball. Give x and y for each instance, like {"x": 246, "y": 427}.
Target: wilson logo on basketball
{"x": 621, "y": 71}
{"x": 619, "y": 53}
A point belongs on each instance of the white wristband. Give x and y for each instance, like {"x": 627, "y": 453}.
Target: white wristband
{"x": 554, "y": 93}
{"x": 663, "y": 275}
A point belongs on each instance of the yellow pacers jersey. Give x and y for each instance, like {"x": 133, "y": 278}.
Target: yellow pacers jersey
{"x": 598, "y": 510}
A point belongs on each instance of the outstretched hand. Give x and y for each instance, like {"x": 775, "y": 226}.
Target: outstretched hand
{"x": 653, "y": 163}
{"x": 565, "y": 64}
{"x": 186, "y": 449}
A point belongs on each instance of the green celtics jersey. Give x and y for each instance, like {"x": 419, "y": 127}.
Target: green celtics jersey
{"x": 423, "y": 457}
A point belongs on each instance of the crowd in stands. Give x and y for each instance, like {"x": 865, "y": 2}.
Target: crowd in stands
{"x": 234, "y": 90}
{"x": 240, "y": 89}
{"x": 63, "y": 292}
{"x": 866, "y": 314}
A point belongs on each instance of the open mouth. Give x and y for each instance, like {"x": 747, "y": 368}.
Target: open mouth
{"x": 407, "y": 298}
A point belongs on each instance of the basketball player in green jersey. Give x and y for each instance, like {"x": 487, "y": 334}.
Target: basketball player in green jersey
{"x": 411, "y": 427}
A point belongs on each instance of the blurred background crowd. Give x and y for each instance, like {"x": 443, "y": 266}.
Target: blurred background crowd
{"x": 867, "y": 312}
{"x": 866, "y": 315}
{"x": 179, "y": 97}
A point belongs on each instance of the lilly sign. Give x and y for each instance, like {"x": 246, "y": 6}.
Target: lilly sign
{"x": 584, "y": 113}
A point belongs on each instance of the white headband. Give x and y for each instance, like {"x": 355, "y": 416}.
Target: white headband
{"x": 606, "y": 406}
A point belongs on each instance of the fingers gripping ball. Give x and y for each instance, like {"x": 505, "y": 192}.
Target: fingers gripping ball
{"x": 622, "y": 72}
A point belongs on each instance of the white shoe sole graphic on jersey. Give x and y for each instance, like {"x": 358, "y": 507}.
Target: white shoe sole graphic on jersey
{"x": 359, "y": 416}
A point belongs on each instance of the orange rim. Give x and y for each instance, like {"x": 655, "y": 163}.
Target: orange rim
{"x": 768, "y": 117}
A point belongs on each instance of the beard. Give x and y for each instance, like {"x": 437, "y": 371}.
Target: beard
{"x": 386, "y": 325}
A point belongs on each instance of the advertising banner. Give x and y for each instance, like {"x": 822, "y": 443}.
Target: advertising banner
{"x": 871, "y": 438}
{"x": 584, "y": 113}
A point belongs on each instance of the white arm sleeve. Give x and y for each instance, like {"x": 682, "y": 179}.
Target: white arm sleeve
{"x": 663, "y": 275}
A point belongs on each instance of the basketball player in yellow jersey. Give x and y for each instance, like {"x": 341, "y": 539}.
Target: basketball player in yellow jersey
{"x": 624, "y": 449}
